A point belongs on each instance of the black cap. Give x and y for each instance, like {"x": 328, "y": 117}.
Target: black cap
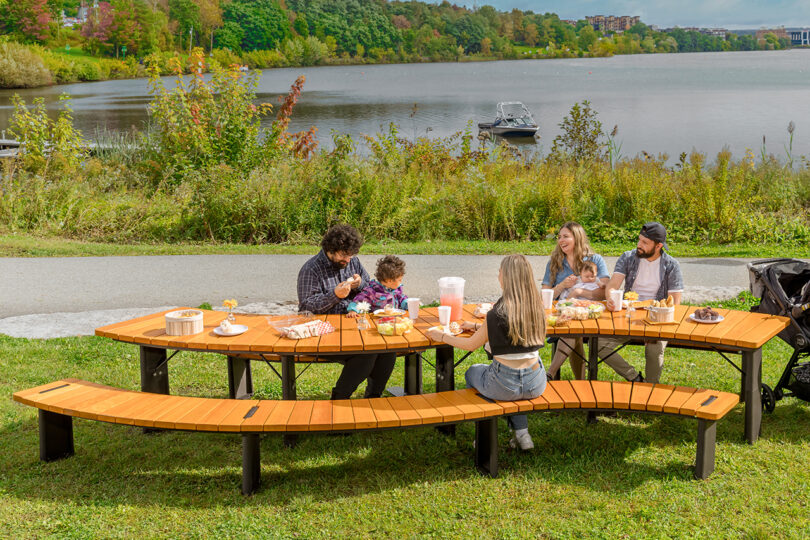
{"x": 655, "y": 232}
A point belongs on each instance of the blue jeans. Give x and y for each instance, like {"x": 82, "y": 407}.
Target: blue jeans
{"x": 497, "y": 381}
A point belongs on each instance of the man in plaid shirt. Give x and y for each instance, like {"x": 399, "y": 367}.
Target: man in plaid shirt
{"x": 327, "y": 283}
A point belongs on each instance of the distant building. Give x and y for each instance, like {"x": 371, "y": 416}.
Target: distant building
{"x": 778, "y": 32}
{"x": 570, "y": 21}
{"x": 717, "y": 32}
{"x": 611, "y": 23}
{"x": 800, "y": 37}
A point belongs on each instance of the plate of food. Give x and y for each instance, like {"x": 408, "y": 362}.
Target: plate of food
{"x": 389, "y": 311}
{"x": 227, "y": 329}
{"x": 706, "y": 316}
{"x": 454, "y": 329}
{"x": 481, "y": 310}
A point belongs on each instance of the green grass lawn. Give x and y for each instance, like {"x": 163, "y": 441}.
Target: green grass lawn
{"x": 22, "y": 245}
{"x": 622, "y": 477}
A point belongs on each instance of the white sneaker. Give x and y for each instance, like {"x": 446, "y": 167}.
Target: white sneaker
{"x": 523, "y": 441}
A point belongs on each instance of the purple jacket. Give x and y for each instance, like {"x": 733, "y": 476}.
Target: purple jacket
{"x": 378, "y": 295}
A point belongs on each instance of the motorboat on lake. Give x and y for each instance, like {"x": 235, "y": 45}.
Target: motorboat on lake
{"x": 512, "y": 119}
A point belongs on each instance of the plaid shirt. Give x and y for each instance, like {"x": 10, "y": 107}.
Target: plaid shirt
{"x": 671, "y": 278}
{"x": 317, "y": 281}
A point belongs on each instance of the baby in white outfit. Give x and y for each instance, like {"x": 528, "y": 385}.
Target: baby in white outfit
{"x": 586, "y": 282}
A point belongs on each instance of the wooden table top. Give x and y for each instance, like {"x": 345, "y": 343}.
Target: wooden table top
{"x": 739, "y": 330}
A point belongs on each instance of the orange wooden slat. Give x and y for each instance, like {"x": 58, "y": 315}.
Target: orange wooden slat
{"x": 132, "y": 330}
{"x": 38, "y": 395}
{"x": 659, "y": 396}
{"x": 232, "y": 422}
{"x": 210, "y": 422}
{"x": 747, "y": 325}
{"x": 277, "y": 420}
{"x": 684, "y": 327}
{"x": 350, "y": 338}
{"x": 718, "y": 408}
{"x": 566, "y": 392}
{"x": 169, "y": 419}
{"x": 405, "y": 413}
{"x": 637, "y": 326}
{"x": 300, "y": 415}
{"x": 584, "y": 393}
{"x": 720, "y": 329}
{"x": 114, "y": 329}
{"x": 331, "y": 342}
{"x": 603, "y": 393}
{"x": 701, "y": 330}
{"x": 460, "y": 399}
{"x": 621, "y": 395}
{"x": 342, "y": 414}
{"x": 639, "y": 396}
{"x": 552, "y": 398}
{"x": 540, "y": 403}
{"x": 364, "y": 417}
{"x": 321, "y": 419}
{"x": 678, "y": 398}
{"x": 605, "y": 323}
{"x": 21, "y": 395}
{"x": 427, "y": 413}
{"x": 372, "y": 340}
{"x": 261, "y": 413}
{"x": 763, "y": 332}
{"x": 621, "y": 326}
{"x": 449, "y": 412}
{"x": 386, "y": 416}
{"x": 695, "y": 401}
{"x": 509, "y": 407}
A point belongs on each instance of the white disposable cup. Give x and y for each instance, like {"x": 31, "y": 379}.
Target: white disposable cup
{"x": 444, "y": 317}
{"x": 616, "y": 296}
{"x": 413, "y": 308}
{"x": 548, "y": 297}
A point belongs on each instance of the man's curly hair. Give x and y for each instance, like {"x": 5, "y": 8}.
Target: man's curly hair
{"x": 342, "y": 238}
{"x": 389, "y": 267}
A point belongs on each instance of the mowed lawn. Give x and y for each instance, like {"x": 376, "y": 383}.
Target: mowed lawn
{"x": 622, "y": 477}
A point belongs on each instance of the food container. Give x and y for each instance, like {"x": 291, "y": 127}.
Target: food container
{"x": 394, "y": 326}
{"x": 184, "y": 322}
{"x": 661, "y": 314}
{"x": 300, "y": 325}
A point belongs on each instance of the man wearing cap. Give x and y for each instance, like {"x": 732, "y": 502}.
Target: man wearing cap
{"x": 649, "y": 271}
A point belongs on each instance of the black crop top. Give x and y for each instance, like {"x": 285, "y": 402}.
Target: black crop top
{"x": 498, "y": 335}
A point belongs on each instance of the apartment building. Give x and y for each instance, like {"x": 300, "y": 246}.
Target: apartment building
{"x": 611, "y": 23}
{"x": 800, "y": 37}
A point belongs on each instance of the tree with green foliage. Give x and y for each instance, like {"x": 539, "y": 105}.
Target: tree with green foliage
{"x": 581, "y": 135}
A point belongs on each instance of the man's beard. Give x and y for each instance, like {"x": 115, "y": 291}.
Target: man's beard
{"x": 643, "y": 254}
{"x": 340, "y": 264}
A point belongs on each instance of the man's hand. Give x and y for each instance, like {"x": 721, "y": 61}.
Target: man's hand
{"x": 609, "y": 300}
{"x": 343, "y": 289}
{"x": 355, "y": 281}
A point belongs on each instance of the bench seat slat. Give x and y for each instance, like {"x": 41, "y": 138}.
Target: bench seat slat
{"x": 364, "y": 417}
{"x": 552, "y": 398}
{"x": 277, "y": 420}
{"x": 449, "y": 412}
{"x": 621, "y": 395}
{"x": 584, "y": 392}
{"x": 427, "y": 414}
{"x": 386, "y": 416}
{"x": 718, "y": 408}
{"x": 263, "y": 408}
{"x": 300, "y": 415}
{"x": 640, "y": 395}
{"x": 232, "y": 422}
{"x": 678, "y": 398}
{"x": 321, "y": 419}
{"x": 540, "y": 403}
{"x": 211, "y": 421}
{"x": 659, "y": 395}
{"x": 404, "y": 411}
{"x": 566, "y": 392}
{"x": 135, "y": 403}
{"x": 691, "y": 405}
{"x": 603, "y": 394}
{"x": 172, "y": 413}
{"x": 460, "y": 399}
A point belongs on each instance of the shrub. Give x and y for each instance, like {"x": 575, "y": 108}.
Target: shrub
{"x": 22, "y": 67}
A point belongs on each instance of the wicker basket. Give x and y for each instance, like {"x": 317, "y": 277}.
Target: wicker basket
{"x": 661, "y": 314}
{"x": 184, "y": 322}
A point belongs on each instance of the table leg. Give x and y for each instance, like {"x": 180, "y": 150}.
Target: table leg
{"x": 752, "y": 368}
{"x": 240, "y": 379}
{"x": 413, "y": 374}
{"x": 446, "y": 378}
{"x": 288, "y": 390}
{"x": 593, "y": 368}
{"x": 154, "y": 374}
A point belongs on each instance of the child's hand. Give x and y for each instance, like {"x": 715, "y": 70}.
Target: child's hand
{"x": 352, "y": 314}
{"x": 570, "y": 281}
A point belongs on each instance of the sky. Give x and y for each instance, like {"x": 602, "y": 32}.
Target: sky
{"x": 732, "y": 14}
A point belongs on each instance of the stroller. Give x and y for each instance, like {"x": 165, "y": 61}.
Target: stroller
{"x": 783, "y": 285}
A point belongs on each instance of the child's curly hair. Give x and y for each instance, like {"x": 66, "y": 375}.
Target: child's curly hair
{"x": 389, "y": 267}
{"x": 589, "y": 265}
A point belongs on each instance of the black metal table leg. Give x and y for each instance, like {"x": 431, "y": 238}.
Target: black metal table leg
{"x": 240, "y": 379}
{"x": 445, "y": 378}
{"x": 55, "y": 436}
{"x": 251, "y": 464}
{"x": 413, "y": 374}
{"x": 593, "y": 368}
{"x": 154, "y": 374}
{"x": 704, "y": 458}
{"x": 486, "y": 446}
{"x": 288, "y": 390}
{"x": 752, "y": 369}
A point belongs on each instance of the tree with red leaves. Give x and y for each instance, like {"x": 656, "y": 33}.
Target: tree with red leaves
{"x": 29, "y": 19}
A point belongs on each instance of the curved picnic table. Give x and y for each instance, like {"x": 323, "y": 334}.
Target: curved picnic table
{"x": 740, "y": 332}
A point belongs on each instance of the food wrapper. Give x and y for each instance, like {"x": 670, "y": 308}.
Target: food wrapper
{"x": 307, "y": 330}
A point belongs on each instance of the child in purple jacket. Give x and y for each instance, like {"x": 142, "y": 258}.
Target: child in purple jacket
{"x": 386, "y": 289}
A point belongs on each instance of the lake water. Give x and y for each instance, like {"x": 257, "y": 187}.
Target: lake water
{"x": 668, "y": 103}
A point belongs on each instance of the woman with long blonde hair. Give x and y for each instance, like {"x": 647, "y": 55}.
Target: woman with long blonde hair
{"x": 512, "y": 334}
{"x": 562, "y": 271}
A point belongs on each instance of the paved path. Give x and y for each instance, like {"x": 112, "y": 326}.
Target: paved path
{"x": 77, "y": 284}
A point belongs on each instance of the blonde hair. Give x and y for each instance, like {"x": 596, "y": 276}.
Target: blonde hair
{"x": 582, "y": 249}
{"x": 521, "y": 303}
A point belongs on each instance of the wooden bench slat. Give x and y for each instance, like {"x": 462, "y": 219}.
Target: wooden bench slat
{"x": 566, "y": 392}
{"x": 61, "y": 403}
{"x": 691, "y": 405}
{"x": 364, "y": 417}
{"x": 540, "y": 403}
{"x": 584, "y": 392}
{"x": 659, "y": 396}
{"x": 678, "y": 398}
{"x": 386, "y": 416}
{"x": 211, "y": 421}
{"x": 405, "y": 413}
{"x": 551, "y": 397}
{"x": 321, "y": 419}
{"x": 460, "y": 399}
{"x": 256, "y": 420}
{"x": 300, "y": 415}
{"x": 449, "y": 412}
{"x": 621, "y": 394}
{"x": 232, "y": 422}
{"x": 639, "y": 396}
{"x": 22, "y": 396}
{"x": 170, "y": 418}
{"x": 147, "y": 407}
{"x": 278, "y": 417}
{"x": 603, "y": 393}
{"x": 719, "y": 407}
{"x": 342, "y": 414}
{"x": 427, "y": 413}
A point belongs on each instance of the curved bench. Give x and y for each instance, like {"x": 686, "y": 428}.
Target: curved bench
{"x": 58, "y": 402}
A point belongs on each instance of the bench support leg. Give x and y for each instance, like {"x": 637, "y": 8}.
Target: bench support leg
{"x": 288, "y": 390}
{"x": 413, "y": 374}
{"x": 55, "y": 436}
{"x": 706, "y": 437}
{"x": 154, "y": 374}
{"x": 240, "y": 379}
{"x": 752, "y": 381}
{"x": 486, "y": 446}
{"x": 251, "y": 464}
{"x": 593, "y": 369}
{"x": 446, "y": 378}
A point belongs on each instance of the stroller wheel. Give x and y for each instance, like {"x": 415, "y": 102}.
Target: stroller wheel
{"x": 768, "y": 399}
